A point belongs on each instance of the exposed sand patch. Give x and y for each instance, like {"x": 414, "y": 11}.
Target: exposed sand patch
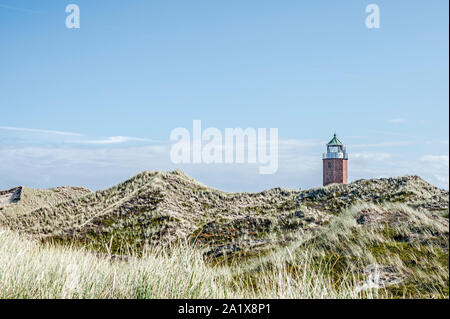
{"x": 10, "y": 196}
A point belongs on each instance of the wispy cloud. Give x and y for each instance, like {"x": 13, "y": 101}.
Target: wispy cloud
{"x": 372, "y": 156}
{"x": 441, "y": 160}
{"x": 398, "y": 121}
{"x": 99, "y": 167}
{"x": 383, "y": 144}
{"x": 437, "y": 166}
{"x": 108, "y": 160}
{"x": 116, "y": 140}
{"x": 33, "y": 130}
{"x": 300, "y": 143}
{"x": 102, "y": 141}
{"x": 18, "y": 9}
{"x": 442, "y": 142}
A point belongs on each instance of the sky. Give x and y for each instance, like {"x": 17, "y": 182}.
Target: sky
{"x": 96, "y": 105}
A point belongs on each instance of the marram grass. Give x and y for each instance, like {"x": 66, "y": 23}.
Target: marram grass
{"x": 343, "y": 260}
{"x": 31, "y": 270}
{"x": 353, "y": 249}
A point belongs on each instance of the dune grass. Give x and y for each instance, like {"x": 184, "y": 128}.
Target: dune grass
{"x": 401, "y": 253}
{"x": 329, "y": 264}
{"x": 32, "y": 270}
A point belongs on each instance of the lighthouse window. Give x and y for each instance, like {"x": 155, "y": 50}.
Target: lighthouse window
{"x": 333, "y": 149}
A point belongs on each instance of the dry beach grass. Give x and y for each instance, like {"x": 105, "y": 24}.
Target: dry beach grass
{"x": 164, "y": 235}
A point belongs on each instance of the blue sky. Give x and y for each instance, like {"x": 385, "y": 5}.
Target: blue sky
{"x": 96, "y": 105}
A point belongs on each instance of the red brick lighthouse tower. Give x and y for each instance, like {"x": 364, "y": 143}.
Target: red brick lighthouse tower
{"x": 335, "y": 163}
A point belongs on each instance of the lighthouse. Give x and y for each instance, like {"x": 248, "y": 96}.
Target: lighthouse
{"x": 335, "y": 163}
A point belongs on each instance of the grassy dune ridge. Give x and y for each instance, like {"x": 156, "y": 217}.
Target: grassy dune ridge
{"x": 164, "y": 235}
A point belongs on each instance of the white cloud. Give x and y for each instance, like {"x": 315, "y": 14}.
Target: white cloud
{"x": 398, "y": 121}
{"x": 439, "y": 142}
{"x": 32, "y": 130}
{"x": 383, "y": 144}
{"x": 115, "y": 140}
{"x": 102, "y": 165}
{"x": 372, "y": 156}
{"x": 297, "y": 143}
{"x": 105, "y": 141}
{"x": 95, "y": 168}
{"x": 19, "y": 9}
{"x": 440, "y": 160}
